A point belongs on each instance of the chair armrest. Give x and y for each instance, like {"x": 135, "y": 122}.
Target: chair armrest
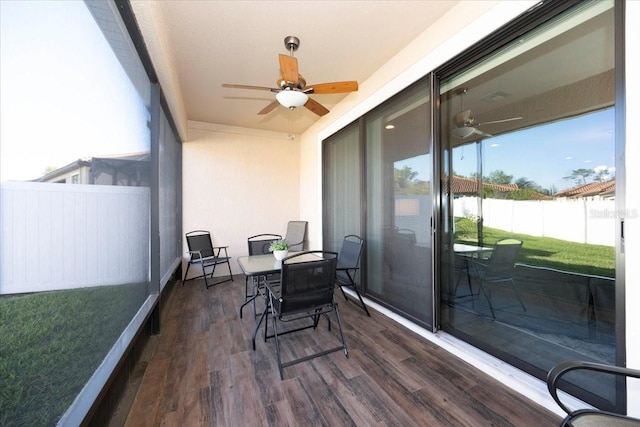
{"x": 555, "y": 374}
{"x": 273, "y": 288}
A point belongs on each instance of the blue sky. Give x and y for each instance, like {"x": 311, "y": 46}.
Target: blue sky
{"x": 544, "y": 154}
{"x": 548, "y": 153}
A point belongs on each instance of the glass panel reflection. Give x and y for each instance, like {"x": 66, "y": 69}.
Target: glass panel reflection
{"x": 531, "y": 162}
{"x": 399, "y": 204}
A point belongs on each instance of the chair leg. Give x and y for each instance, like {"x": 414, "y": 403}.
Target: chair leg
{"x": 204, "y": 274}
{"x": 513, "y": 285}
{"x": 362, "y": 304}
{"x": 493, "y": 314}
{"x": 185, "y": 273}
{"x": 344, "y": 343}
{"x": 229, "y": 267}
{"x": 275, "y": 333}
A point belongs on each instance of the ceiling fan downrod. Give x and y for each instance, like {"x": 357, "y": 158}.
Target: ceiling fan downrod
{"x": 291, "y": 43}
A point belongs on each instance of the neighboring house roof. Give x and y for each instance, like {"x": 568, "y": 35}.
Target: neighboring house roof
{"x": 64, "y": 170}
{"x": 460, "y": 185}
{"x": 126, "y": 163}
{"x": 603, "y": 189}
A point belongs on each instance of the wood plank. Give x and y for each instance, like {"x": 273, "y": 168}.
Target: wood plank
{"x": 204, "y": 372}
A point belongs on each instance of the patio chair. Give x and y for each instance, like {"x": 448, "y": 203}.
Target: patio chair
{"x": 591, "y": 416}
{"x": 296, "y": 235}
{"x": 497, "y": 270}
{"x": 203, "y": 253}
{"x": 305, "y": 292}
{"x": 348, "y": 266}
{"x": 258, "y": 245}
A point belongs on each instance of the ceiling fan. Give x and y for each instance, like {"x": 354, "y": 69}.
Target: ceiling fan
{"x": 465, "y": 124}
{"x": 293, "y": 91}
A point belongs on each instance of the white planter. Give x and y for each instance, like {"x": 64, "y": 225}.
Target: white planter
{"x": 280, "y": 254}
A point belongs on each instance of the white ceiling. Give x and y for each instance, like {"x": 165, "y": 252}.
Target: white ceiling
{"x": 196, "y": 46}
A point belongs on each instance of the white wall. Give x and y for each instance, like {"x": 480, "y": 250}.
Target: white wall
{"x": 237, "y": 183}
{"x": 63, "y": 236}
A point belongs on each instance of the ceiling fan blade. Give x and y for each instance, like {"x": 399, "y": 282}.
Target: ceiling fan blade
{"x": 463, "y": 118}
{"x": 289, "y": 69}
{"x": 479, "y": 132}
{"x": 269, "y": 108}
{"x": 270, "y": 89}
{"x": 499, "y": 121}
{"x": 316, "y": 107}
{"x": 333, "y": 87}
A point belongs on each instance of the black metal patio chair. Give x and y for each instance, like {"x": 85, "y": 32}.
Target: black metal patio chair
{"x": 296, "y": 235}
{"x": 258, "y": 245}
{"x": 305, "y": 291}
{"x": 349, "y": 265}
{"x": 203, "y": 253}
{"x": 589, "y": 417}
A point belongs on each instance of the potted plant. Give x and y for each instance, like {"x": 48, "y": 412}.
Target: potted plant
{"x": 280, "y": 249}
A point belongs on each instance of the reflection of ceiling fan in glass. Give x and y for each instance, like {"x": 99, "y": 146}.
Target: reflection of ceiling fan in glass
{"x": 465, "y": 125}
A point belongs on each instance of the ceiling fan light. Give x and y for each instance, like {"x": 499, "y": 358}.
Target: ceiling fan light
{"x": 463, "y": 131}
{"x": 292, "y": 98}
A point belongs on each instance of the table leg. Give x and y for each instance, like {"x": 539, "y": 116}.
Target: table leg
{"x": 258, "y": 323}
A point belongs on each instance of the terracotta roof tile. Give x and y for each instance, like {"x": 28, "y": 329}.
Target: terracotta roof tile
{"x": 591, "y": 189}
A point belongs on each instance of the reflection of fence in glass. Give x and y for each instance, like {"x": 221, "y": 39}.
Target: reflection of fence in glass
{"x": 68, "y": 236}
{"x": 566, "y": 220}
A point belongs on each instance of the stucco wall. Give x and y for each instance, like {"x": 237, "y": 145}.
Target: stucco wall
{"x": 238, "y": 183}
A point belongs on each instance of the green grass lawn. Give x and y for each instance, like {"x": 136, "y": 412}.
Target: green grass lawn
{"x": 52, "y": 342}
{"x": 559, "y": 254}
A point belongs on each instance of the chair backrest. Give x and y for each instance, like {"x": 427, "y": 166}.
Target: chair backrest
{"x": 200, "y": 240}
{"x": 308, "y": 284}
{"x": 503, "y": 259}
{"x": 350, "y": 252}
{"x": 259, "y": 244}
{"x": 296, "y": 235}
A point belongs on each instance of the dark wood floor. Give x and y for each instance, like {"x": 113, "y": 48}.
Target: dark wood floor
{"x": 204, "y": 372}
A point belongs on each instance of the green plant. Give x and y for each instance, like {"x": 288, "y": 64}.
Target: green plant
{"x": 279, "y": 245}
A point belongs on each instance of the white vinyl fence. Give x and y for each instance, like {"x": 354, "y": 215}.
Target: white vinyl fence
{"x": 62, "y": 236}
{"x": 582, "y": 221}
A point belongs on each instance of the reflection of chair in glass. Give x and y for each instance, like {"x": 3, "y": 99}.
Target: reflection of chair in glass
{"x": 498, "y": 269}
{"x": 349, "y": 264}
{"x": 399, "y": 252}
{"x": 589, "y": 417}
{"x": 305, "y": 291}
{"x": 461, "y": 270}
{"x": 257, "y": 245}
{"x": 202, "y": 252}
{"x": 296, "y": 235}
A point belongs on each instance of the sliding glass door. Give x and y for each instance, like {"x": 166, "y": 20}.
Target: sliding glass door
{"x": 399, "y": 204}
{"x": 529, "y": 251}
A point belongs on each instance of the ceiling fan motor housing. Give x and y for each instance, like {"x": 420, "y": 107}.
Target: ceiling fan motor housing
{"x": 292, "y": 43}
